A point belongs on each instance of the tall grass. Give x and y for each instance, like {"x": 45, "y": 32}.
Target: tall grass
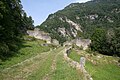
{"x": 101, "y": 71}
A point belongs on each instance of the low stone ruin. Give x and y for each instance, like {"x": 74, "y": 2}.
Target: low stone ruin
{"x": 55, "y": 42}
{"x": 79, "y": 66}
{"x": 84, "y": 43}
{"x": 39, "y": 35}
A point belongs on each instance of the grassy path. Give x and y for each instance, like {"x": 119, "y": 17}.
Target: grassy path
{"x": 53, "y": 67}
{"x": 64, "y": 71}
{"x": 44, "y": 66}
{"x": 56, "y": 68}
{"x": 22, "y": 70}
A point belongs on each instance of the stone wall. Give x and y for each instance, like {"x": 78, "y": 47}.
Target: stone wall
{"x": 84, "y": 43}
{"x": 55, "y": 42}
{"x": 79, "y": 66}
{"x": 39, "y": 35}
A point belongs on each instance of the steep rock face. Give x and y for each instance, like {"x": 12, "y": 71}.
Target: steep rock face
{"x": 82, "y": 19}
{"x": 62, "y": 31}
{"x": 75, "y": 25}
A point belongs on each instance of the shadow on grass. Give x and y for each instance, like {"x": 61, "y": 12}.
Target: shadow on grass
{"x": 13, "y": 51}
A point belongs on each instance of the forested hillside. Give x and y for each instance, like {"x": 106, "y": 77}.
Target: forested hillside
{"x": 80, "y": 42}
{"x": 98, "y": 20}
{"x": 13, "y": 24}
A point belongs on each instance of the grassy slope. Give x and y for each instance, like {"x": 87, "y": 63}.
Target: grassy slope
{"x": 35, "y": 65}
{"x": 65, "y": 72}
{"x": 62, "y": 70}
{"x": 44, "y": 67}
{"x": 28, "y": 49}
{"x": 101, "y": 71}
{"x": 73, "y": 55}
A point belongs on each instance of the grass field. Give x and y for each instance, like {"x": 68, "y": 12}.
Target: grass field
{"x": 28, "y": 49}
{"x": 36, "y": 62}
{"x": 56, "y": 68}
{"x": 105, "y": 69}
{"x": 65, "y": 72}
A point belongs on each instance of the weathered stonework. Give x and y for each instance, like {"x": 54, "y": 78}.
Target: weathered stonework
{"x": 39, "y": 35}
{"x": 79, "y": 66}
{"x": 55, "y": 42}
{"x": 84, "y": 43}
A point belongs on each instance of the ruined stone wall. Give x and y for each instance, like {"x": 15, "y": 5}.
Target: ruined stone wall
{"x": 84, "y": 43}
{"x": 79, "y": 66}
{"x": 39, "y": 35}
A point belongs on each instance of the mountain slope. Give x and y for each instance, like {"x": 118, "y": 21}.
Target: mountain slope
{"x": 98, "y": 20}
{"x": 80, "y": 19}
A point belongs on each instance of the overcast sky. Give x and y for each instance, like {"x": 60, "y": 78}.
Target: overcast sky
{"x": 40, "y": 9}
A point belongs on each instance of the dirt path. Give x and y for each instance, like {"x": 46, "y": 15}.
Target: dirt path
{"x": 53, "y": 67}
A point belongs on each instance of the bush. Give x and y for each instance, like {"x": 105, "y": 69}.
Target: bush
{"x": 89, "y": 50}
{"x": 119, "y": 61}
{"x": 29, "y": 38}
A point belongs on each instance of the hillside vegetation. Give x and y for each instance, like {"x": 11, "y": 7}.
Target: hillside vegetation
{"x": 36, "y": 62}
{"x": 39, "y": 56}
{"x": 100, "y": 67}
{"x": 96, "y": 19}
{"x": 13, "y": 24}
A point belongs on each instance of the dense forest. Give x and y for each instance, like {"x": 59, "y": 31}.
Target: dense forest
{"x": 98, "y": 19}
{"x": 13, "y": 25}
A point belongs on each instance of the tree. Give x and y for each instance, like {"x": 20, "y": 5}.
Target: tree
{"x": 99, "y": 41}
{"x": 11, "y": 26}
{"x": 28, "y": 21}
{"x": 114, "y": 41}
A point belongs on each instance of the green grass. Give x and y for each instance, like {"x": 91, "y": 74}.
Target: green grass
{"x": 73, "y": 55}
{"x": 62, "y": 72}
{"x": 65, "y": 72}
{"x": 28, "y": 49}
{"x": 41, "y": 65}
{"x": 38, "y": 65}
{"x": 101, "y": 71}
{"x": 45, "y": 66}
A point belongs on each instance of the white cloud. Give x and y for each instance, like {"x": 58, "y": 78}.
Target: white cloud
{"x": 81, "y": 1}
